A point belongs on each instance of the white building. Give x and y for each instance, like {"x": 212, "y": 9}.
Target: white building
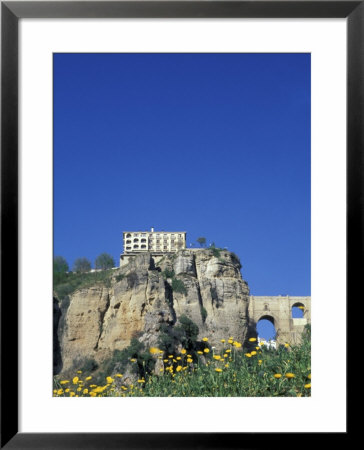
{"x": 153, "y": 241}
{"x": 267, "y": 344}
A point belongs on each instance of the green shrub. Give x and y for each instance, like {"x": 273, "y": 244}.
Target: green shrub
{"x": 168, "y": 273}
{"x": 143, "y": 365}
{"x": 178, "y": 286}
{"x": 89, "y": 365}
{"x": 203, "y": 314}
{"x": 216, "y": 252}
{"x": 184, "y": 333}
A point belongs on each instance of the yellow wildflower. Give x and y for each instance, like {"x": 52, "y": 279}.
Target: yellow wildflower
{"x": 67, "y": 390}
{"x": 109, "y": 380}
{"x": 237, "y": 344}
{"x": 223, "y": 341}
{"x": 99, "y": 389}
{"x": 253, "y": 353}
{"x": 88, "y": 378}
{"x": 60, "y": 391}
{"x": 286, "y": 345}
{"x": 64, "y": 381}
{"x": 141, "y": 381}
{"x": 277, "y": 375}
{"x": 119, "y": 375}
{"x": 228, "y": 351}
{"x": 290, "y": 375}
{"x": 170, "y": 356}
{"x": 93, "y": 385}
{"x": 217, "y": 357}
{"x": 85, "y": 391}
{"x": 133, "y": 360}
{"x": 178, "y": 368}
{"x": 72, "y": 394}
{"x": 75, "y": 380}
{"x": 178, "y": 358}
{"x": 260, "y": 362}
{"x": 92, "y": 394}
{"x": 79, "y": 371}
{"x": 189, "y": 360}
{"x": 227, "y": 365}
{"x": 248, "y": 355}
{"x": 206, "y": 350}
{"x": 218, "y": 370}
{"x": 205, "y": 339}
{"x": 79, "y": 389}
{"x": 183, "y": 351}
{"x": 230, "y": 341}
{"x": 308, "y": 386}
{"x": 309, "y": 376}
{"x": 154, "y": 350}
{"x": 199, "y": 352}
{"x": 252, "y": 339}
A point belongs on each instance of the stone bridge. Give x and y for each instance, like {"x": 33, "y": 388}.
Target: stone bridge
{"x": 278, "y": 310}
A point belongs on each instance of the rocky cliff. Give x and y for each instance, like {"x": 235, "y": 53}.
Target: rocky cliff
{"x": 204, "y": 284}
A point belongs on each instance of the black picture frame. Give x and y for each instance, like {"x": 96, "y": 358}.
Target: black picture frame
{"x": 11, "y": 12}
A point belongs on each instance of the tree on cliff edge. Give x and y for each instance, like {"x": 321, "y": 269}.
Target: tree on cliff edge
{"x": 82, "y": 265}
{"x": 104, "y": 261}
{"x": 201, "y": 241}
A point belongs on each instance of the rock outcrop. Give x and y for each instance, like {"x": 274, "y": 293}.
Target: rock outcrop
{"x": 204, "y": 284}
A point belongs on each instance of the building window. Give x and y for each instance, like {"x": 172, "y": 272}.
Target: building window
{"x": 128, "y": 241}
{"x": 143, "y": 246}
{"x": 128, "y": 235}
{"x": 128, "y": 248}
{"x": 136, "y": 246}
{"x": 143, "y": 240}
{"x": 136, "y": 240}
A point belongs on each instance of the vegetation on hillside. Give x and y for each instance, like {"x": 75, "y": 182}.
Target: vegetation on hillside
{"x": 67, "y": 283}
{"x": 233, "y": 372}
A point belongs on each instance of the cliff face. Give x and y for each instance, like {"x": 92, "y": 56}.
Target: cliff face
{"x": 205, "y": 285}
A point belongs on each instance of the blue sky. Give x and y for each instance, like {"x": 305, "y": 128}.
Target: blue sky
{"x": 217, "y": 145}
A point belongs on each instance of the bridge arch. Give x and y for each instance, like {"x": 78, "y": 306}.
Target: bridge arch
{"x": 278, "y": 310}
{"x": 266, "y": 327}
{"x": 298, "y": 310}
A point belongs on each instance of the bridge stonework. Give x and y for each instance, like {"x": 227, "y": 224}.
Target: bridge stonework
{"x": 278, "y": 310}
